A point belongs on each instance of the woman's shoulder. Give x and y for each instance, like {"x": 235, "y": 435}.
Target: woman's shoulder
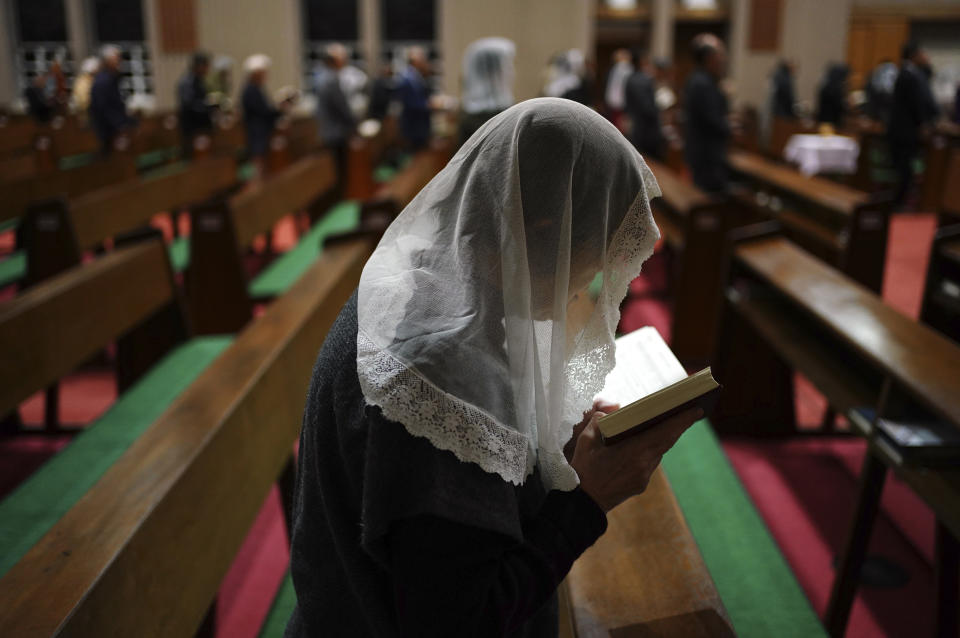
{"x": 338, "y": 354}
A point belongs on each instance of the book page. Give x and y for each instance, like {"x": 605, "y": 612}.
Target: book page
{"x": 645, "y": 364}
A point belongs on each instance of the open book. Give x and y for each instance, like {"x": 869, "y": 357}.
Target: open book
{"x": 651, "y": 386}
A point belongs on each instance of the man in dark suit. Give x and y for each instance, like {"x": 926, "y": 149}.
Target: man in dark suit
{"x": 194, "y": 111}
{"x": 336, "y": 120}
{"x": 640, "y": 105}
{"x": 413, "y": 92}
{"x": 108, "y": 112}
{"x": 913, "y": 109}
{"x": 705, "y": 106}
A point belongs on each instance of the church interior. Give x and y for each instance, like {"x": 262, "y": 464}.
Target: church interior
{"x": 190, "y": 191}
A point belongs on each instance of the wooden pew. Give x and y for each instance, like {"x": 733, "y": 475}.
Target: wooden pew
{"x": 57, "y": 232}
{"x": 949, "y": 203}
{"x": 941, "y": 294}
{"x": 16, "y": 136}
{"x": 694, "y": 226}
{"x": 787, "y": 311}
{"x": 144, "y": 551}
{"x": 782, "y": 129}
{"x": 292, "y": 139}
{"x": 20, "y": 194}
{"x": 645, "y": 576}
{"x": 843, "y": 226}
{"x": 941, "y": 171}
{"x": 221, "y": 232}
{"x": 128, "y": 296}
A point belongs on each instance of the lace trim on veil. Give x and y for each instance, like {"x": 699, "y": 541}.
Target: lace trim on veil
{"x": 476, "y": 437}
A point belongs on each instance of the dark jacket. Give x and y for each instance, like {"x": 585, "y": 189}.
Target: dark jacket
{"x": 38, "y": 104}
{"x": 707, "y": 131}
{"x": 259, "y": 118}
{"x": 782, "y": 98}
{"x": 832, "y": 99}
{"x": 640, "y": 105}
{"x": 192, "y": 100}
{"x": 913, "y": 106}
{"x": 414, "y": 94}
{"x": 108, "y": 112}
{"x": 336, "y": 119}
{"x": 381, "y": 94}
{"x": 394, "y": 537}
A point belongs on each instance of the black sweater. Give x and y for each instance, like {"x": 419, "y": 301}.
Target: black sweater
{"x": 393, "y": 537}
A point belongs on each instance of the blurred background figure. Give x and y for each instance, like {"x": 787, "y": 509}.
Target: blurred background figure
{"x": 413, "y": 92}
{"x": 912, "y": 110}
{"x": 82, "y": 86}
{"x": 879, "y": 91}
{"x": 487, "y": 83}
{"x": 783, "y": 98}
{"x": 40, "y": 104}
{"x": 336, "y": 119}
{"x": 706, "y": 110}
{"x": 108, "y": 113}
{"x": 832, "y": 97}
{"x": 219, "y": 83}
{"x": 663, "y": 73}
{"x": 381, "y": 93}
{"x": 567, "y": 77}
{"x": 640, "y": 106}
{"x": 259, "y": 113}
{"x": 57, "y": 88}
{"x": 193, "y": 109}
{"x": 614, "y": 97}
{"x": 353, "y": 82}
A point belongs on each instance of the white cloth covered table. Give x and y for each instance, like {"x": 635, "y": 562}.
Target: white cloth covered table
{"x": 815, "y": 154}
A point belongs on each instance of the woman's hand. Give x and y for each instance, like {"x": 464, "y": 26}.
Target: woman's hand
{"x": 600, "y": 406}
{"x": 610, "y": 474}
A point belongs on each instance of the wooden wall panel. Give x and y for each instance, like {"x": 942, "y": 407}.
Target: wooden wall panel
{"x": 765, "y": 19}
{"x": 178, "y": 25}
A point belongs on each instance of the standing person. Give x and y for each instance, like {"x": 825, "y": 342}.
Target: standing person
{"x": 39, "y": 103}
{"x": 615, "y": 95}
{"x": 414, "y": 92}
{"x": 956, "y": 106}
{"x": 568, "y": 77}
{"x": 219, "y": 82}
{"x": 444, "y": 486}
{"x": 195, "y": 112}
{"x": 832, "y": 98}
{"x": 333, "y": 112}
{"x": 705, "y": 107}
{"x": 487, "y": 83}
{"x": 640, "y": 106}
{"x": 879, "y": 91}
{"x": 381, "y": 93}
{"x": 108, "y": 112}
{"x": 82, "y": 86}
{"x": 259, "y": 113}
{"x": 783, "y": 99}
{"x": 913, "y": 108}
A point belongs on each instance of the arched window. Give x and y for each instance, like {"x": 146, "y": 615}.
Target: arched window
{"x": 41, "y": 38}
{"x": 409, "y": 23}
{"x": 327, "y": 21}
{"x": 121, "y": 22}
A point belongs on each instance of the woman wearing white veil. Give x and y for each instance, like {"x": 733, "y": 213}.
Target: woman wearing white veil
{"x": 448, "y": 472}
{"x": 487, "y": 82}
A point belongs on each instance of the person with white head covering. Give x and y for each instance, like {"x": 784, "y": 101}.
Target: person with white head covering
{"x": 568, "y": 72}
{"x": 447, "y": 475}
{"x": 259, "y": 113}
{"x": 80, "y": 95}
{"x": 487, "y": 82}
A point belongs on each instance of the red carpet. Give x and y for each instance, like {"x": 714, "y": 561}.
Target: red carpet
{"x": 804, "y": 489}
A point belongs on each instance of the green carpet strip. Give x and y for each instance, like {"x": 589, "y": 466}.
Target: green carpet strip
{"x": 276, "y": 278}
{"x": 280, "y": 611}
{"x": 758, "y": 589}
{"x": 13, "y": 268}
{"x": 40, "y": 501}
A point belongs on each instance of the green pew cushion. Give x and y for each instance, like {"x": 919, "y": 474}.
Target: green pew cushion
{"x": 280, "y": 611}
{"x": 76, "y": 161}
{"x": 151, "y": 159}
{"x": 13, "y": 268}
{"x": 385, "y": 172}
{"x": 754, "y": 581}
{"x": 179, "y": 251}
{"x": 245, "y": 172}
{"x": 40, "y": 501}
{"x": 282, "y": 272}
{"x": 163, "y": 170}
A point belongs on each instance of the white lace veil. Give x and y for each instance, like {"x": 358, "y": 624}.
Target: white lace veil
{"x": 488, "y": 75}
{"x": 464, "y": 335}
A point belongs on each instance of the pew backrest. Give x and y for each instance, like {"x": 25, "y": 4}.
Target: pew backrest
{"x": 52, "y": 328}
{"x": 145, "y": 550}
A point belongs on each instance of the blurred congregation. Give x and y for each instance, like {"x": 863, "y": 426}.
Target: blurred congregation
{"x": 189, "y": 191}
